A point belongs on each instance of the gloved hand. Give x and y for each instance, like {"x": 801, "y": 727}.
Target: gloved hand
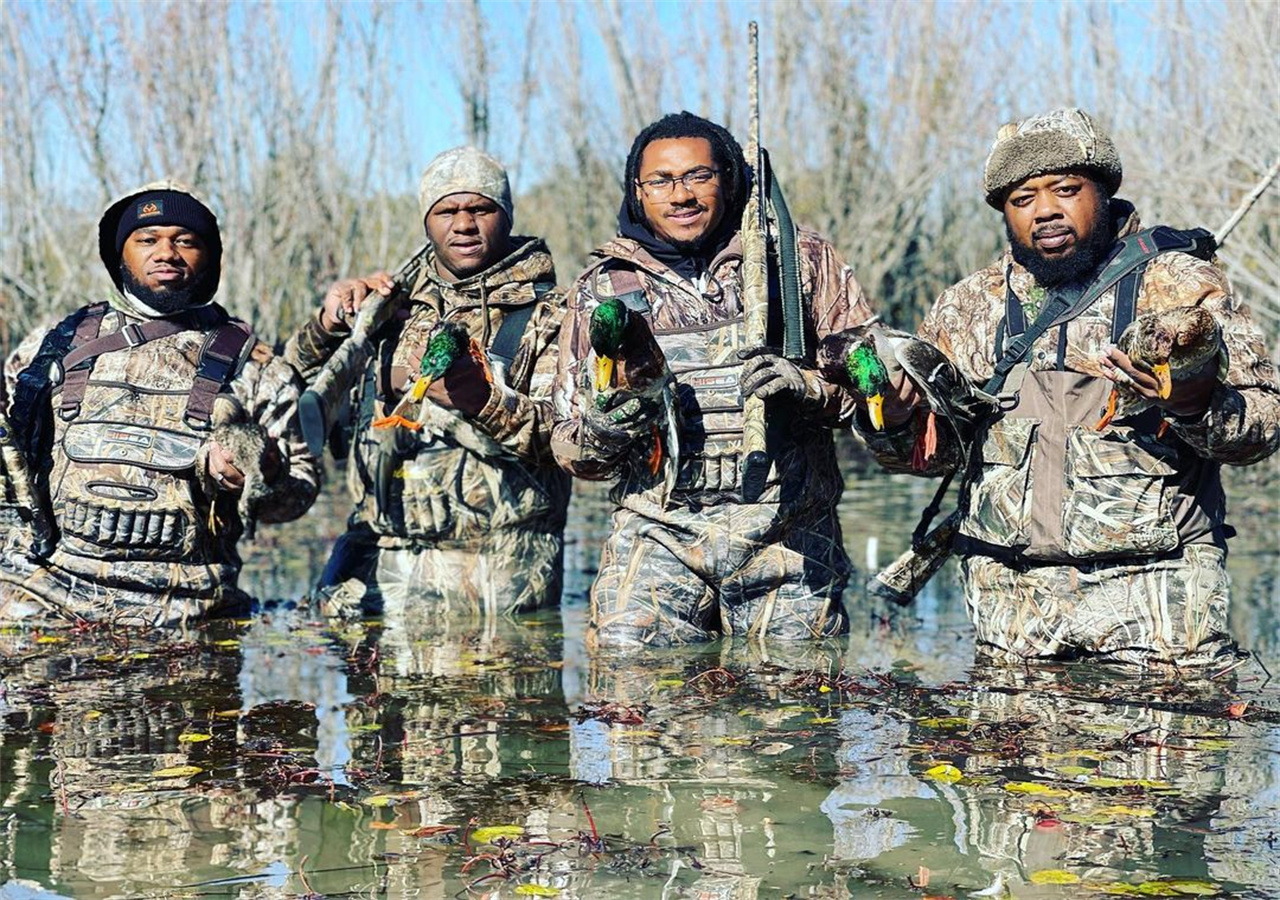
{"x": 766, "y": 374}
{"x": 613, "y": 420}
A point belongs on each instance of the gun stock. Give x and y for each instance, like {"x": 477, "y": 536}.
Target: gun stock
{"x": 320, "y": 404}
{"x": 902, "y": 579}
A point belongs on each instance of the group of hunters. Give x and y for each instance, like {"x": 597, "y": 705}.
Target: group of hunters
{"x": 143, "y": 436}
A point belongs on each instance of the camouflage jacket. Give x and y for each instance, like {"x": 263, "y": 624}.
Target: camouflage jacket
{"x": 698, "y": 328}
{"x": 1044, "y": 481}
{"x": 126, "y": 477}
{"x": 459, "y": 479}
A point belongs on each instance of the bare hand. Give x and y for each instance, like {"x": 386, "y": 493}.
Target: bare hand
{"x": 1188, "y": 397}
{"x": 223, "y": 468}
{"x": 344, "y": 298}
{"x": 901, "y": 400}
{"x": 463, "y": 387}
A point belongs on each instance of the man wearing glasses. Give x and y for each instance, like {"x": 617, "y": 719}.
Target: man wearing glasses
{"x": 687, "y": 558}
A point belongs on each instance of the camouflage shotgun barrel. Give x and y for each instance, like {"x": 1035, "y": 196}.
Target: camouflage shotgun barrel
{"x": 755, "y": 286}
{"x": 17, "y": 474}
{"x": 320, "y": 404}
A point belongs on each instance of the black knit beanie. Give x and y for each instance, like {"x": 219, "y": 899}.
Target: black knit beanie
{"x": 166, "y": 208}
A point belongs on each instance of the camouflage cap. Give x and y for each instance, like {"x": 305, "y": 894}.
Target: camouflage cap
{"x": 464, "y": 170}
{"x": 1059, "y": 141}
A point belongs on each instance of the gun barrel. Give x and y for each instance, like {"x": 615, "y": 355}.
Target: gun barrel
{"x": 755, "y": 288}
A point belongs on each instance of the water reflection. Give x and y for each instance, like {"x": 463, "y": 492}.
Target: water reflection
{"x": 444, "y": 758}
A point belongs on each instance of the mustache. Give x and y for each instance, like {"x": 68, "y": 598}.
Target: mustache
{"x": 1052, "y": 231}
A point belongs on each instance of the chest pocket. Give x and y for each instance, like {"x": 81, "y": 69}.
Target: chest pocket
{"x": 1000, "y": 497}
{"x": 1118, "y": 497}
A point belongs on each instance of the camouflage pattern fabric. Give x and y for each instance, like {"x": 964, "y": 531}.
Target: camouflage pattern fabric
{"x": 1050, "y": 488}
{"x": 145, "y": 533}
{"x": 489, "y": 482}
{"x": 700, "y": 561}
{"x": 508, "y": 572}
{"x": 732, "y": 569}
{"x": 1150, "y": 611}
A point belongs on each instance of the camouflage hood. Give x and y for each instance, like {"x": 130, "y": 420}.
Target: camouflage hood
{"x": 508, "y": 282}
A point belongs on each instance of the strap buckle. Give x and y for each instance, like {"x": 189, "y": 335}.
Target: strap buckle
{"x": 133, "y": 335}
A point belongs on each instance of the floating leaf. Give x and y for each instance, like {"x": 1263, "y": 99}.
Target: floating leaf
{"x": 229, "y": 644}
{"x": 360, "y": 729}
{"x": 824, "y": 689}
{"x": 1108, "y": 814}
{"x": 50, "y": 639}
{"x": 383, "y": 826}
{"x": 93, "y": 714}
{"x": 491, "y": 833}
{"x": 1211, "y": 744}
{"x": 946, "y": 773}
{"x": 1180, "y": 887}
{"x": 380, "y": 800}
{"x": 1071, "y": 771}
{"x": 537, "y": 890}
{"x": 663, "y": 683}
{"x": 177, "y": 772}
{"x": 1054, "y": 876}
{"x": 193, "y": 737}
{"x": 1035, "y": 788}
{"x": 774, "y": 748}
{"x": 1104, "y": 781}
{"x": 945, "y": 722}
{"x": 226, "y": 714}
{"x": 821, "y": 720}
{"x": 1237, "y": 709}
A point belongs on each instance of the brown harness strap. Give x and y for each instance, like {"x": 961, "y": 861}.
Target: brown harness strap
{"x": 220, "y": 359}
{"x": 76, "y": 380}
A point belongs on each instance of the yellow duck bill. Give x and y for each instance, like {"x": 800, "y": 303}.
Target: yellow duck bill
{"x": 875, "y": 411}
{"x": 1164, "y": 380}
{"x": 604, "y": 372}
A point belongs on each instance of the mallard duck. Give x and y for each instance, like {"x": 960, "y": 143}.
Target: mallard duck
{"x": 1173, "y": 345}
{"x": 869, "y": 358}
{"x": 607, "y": 330}
{"x": 446, "y": 345}
{"x": 617, "y": 332}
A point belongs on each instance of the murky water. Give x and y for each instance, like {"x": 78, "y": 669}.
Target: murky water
{"x": 285, "y": 757}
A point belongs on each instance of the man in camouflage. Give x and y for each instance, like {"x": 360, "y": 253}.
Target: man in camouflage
{"x": 466, "y": 514}
{"x": 687, "y": 558}
{"x": 145, "y": 434}
{"x": 1076, "y": 539}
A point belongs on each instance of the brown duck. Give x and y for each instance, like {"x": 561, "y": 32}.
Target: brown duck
{"x": 1172, "y": 345}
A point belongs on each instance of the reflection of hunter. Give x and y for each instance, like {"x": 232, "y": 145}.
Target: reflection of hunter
{"x": 904, "y": 577}
{"x": 1083, "y": 529}
{"x": 458, "y": 504}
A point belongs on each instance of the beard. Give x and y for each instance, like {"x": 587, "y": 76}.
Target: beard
{"x": 170, "y": 301}
{"x": 1088, "y": 255}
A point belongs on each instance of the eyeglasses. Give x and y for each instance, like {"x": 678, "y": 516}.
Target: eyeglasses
{"x": 697, "y": 182}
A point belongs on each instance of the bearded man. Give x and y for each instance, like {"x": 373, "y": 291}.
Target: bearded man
{"x": 146, "y": 434}
{"x": 688, "y": 558}
{"x": 1081, "y": 535}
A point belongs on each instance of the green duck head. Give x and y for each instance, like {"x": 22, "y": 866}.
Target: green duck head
{"x": 607, "y": 330}
{"x": 444, "y": 348}
{"x": 870, "y": 379}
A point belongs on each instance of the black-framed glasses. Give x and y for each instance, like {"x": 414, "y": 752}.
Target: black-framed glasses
{"x": 698, "y": 182}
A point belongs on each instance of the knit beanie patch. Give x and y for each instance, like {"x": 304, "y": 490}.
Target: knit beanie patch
{"x": 166, "y": 208}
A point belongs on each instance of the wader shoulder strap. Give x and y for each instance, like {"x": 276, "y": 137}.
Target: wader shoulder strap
{"x": 221, "y": 359}
{"x": 77, "y": 365}
{"x": 506, "y": 343}
{"x": 1129, "y": 258}
{"x": 1126, "y": 302}
{"x": 787, "y": 244}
